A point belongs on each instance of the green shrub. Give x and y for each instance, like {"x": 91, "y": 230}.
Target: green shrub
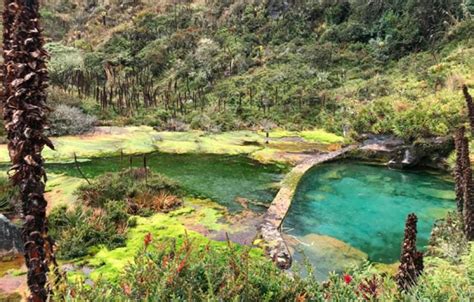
{"x": 447, "y": 239}
{"x": 349, "y": 32}
{"x": 128, "y": 184}
{"x": 64, "y": 60}
{"x": 3, "y": 133}
{"x": 78, "y": 230}
{"x": 57, "y": 96}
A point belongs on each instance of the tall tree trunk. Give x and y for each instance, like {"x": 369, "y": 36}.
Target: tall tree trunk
{"x": 24, "y": 99}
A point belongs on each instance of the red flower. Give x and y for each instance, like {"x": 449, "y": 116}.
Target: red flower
{"x": 347, "y": 278}
{"x": 148, "y": 239}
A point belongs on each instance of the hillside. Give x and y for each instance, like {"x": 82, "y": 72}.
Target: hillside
{"x": 352, "y": 67}
{"x": 237, "y": 150}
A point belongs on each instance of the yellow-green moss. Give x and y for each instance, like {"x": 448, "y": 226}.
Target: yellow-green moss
{"x": 109, "y": 263}
{"x": 60, "y": 189}
{"x": 110, "y": 141}
{"x": 315, "y": 135}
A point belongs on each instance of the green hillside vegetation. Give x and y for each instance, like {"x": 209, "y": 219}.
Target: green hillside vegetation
{"x": 347, "y": 66}
{"x": 279, "y": 83}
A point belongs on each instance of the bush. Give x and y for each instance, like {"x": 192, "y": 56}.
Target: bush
{"x": 154, "y": 192}
{"x": 57, "y": 96}
{"x": 78, "y": 230}
{"x": 346, "y": 33}
{"x": 448, "y": 240}
{"x": 171, "y": 272}
{"x": 3, "y": 133}
{"x": 185, "y": 273}
{"x": 201, "y": 121}
{"x": 66, "y": 120}
{"x": 174, "y": 124}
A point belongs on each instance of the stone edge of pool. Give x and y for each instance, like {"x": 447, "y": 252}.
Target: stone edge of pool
{"x": 270, "y": 230}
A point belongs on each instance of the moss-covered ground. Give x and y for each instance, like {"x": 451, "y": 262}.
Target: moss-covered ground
{"x": 112, "y": 141}
{"x": 195, "y": 221}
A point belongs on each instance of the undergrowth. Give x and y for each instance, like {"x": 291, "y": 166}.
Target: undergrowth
{"x": 165, "y": 271}
{"x": 108, "y": 203}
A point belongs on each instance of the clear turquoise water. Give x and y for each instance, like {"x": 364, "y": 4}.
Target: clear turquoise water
{"x": 218, "y": 177}
{"x": 366, "y": 206}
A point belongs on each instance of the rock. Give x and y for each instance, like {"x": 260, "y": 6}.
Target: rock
{"x": 10, "y": 238}
{"x": 429, "y": 152}
{"x": 326, "y": 254}
{"x": 379, "y": 148}
{"x": 398, "y": 154}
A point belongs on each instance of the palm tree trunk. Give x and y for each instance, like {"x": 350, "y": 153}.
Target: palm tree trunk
{"x": 24, "y": 100}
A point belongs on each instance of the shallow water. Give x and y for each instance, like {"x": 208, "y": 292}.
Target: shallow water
{"x": 365, "y": 207}
{"x": 218, "y": 177}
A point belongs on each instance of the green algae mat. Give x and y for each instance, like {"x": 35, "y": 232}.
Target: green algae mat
{"x": 112, "y": 141}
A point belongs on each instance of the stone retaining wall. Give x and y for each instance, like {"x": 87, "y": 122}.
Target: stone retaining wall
{"x": 270, "y": 230}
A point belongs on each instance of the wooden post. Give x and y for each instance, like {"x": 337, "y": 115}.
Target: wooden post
{"x": 79, "y": 169}
{"x": 146, "y": 169}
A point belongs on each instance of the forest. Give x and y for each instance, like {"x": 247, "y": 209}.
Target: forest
{"x": 237, "y": 150}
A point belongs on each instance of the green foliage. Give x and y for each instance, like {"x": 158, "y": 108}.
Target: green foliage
{"x": 3, "y": 133}
{"x": 64, "y": 60}
{"x": 78, "y": 230}
{"x": 186, "y": 271}
{"x": 198, "y": 274}
{"x": 53, "y": 24}
{"x": 128, "y": 184}
{"x": 338, "y": 65}
{"x": 448, "y": 240}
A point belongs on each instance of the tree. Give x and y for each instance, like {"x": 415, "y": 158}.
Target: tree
{"x": 411, "y": 261}
{"x": 25, "y": 76}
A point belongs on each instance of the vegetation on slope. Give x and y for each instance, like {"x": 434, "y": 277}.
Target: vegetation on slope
{"x": 346, "y": 66}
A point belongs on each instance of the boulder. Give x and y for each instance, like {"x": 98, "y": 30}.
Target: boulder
{"x": 379, "y": 148}
{"x": 10, "y": 238}
{"x": 431, "y": 152}
{"x": 398, "y": 154}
